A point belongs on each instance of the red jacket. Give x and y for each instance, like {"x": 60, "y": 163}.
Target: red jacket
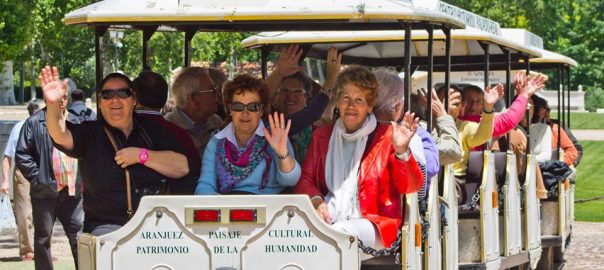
{"x": 382, "y": 178}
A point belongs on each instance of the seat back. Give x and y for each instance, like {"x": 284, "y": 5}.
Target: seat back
{"x": 500, "y": 167}
{"x": 472, "y": 183}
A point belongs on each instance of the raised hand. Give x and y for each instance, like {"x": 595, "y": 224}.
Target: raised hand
{"x": 438, "y": 108}
{"x": 54, "y": 90}
{"x": 491, "y": 95}
{"x": 536, "y": 84}
{"x": 334, "y": 64}
{"x": 403, "y": 132}
{"x": 277, "y": 135}
{"x": 288, "y": 61}
{"x": 520, "y": 83}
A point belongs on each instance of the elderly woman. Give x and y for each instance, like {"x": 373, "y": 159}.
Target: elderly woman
{"x": 245, "y": 157}
{"x": 355, "y": 169}
{"x": 120, "y": 146}
{"x": 389, "y": 107}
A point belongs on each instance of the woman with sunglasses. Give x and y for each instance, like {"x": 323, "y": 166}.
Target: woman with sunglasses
{"x": 356, "y": 170}
{"x": 148, "y": 154}
{"x": 245, "y": 157}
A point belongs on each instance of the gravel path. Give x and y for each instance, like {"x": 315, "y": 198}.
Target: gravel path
{"x": 586, "y": 251}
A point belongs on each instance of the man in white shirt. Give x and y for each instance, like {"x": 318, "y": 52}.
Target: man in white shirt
{"x": 22, "y": 200}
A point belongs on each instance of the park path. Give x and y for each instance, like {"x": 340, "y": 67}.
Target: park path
{"x": 586, "y": 250}
{"x": 589, "y": 135}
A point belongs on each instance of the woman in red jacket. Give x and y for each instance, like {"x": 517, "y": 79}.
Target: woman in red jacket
{"x": 356, "y": 182}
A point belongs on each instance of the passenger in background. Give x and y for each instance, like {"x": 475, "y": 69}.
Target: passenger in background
{"x": 196, "y": 98}
{"x": 245, "y": 157}
{"x": 506, "y": 121}
{"x": 219, "y": 78}
{"x": 473, "y": 134}
{"x": 541, "y": 140}
{"x": 293, "y": 95}
{"x": 389, "y": 108}
{"x": 78, "y": 107}
{"x": 356, "y": 170}
{"x": 22, "y": 200}
{"x": 119, "y": 146}
{"x": 444, "y": 131}
{"x": 151, "y": 92}
{"x": 550, "y": 170}
{"x": 566, "y": 144}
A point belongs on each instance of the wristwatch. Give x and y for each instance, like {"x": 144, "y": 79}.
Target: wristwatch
{"x": 143, "y": 156}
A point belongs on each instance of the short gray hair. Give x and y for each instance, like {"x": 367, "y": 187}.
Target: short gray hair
{"x": 35, "y": 105}
{"x": 390, "y": 90}
{"x": 186, "y": 83}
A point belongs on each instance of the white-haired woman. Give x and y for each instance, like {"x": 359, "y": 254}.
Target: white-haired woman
{"x": 389, "y": 108}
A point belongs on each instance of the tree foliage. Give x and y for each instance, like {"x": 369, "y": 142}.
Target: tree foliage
{"x": 574, "y": 28}
{"x": 15, "y": 27}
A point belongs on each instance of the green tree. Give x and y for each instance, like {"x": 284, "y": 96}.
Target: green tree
{"x": 571, "y": 27}
{"x": 15, "y": 34}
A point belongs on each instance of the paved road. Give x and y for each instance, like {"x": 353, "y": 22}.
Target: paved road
{"x": 586, "y": 251}
{"x": 589, "y": 135}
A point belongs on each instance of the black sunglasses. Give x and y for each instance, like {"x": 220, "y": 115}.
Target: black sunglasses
{"x": 239, "y": 107}
{"x": 120, "y": 93}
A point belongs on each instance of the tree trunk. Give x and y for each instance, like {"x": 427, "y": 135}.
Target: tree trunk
{"x": 7, "y": 91}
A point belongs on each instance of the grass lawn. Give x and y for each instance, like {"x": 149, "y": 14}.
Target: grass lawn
{"x": 584, "y": 120}
{"x": 589, "y": 182}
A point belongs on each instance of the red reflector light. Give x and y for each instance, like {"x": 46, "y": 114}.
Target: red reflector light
{"x": 243, "y": 215}
{"x": 206, "y": 215}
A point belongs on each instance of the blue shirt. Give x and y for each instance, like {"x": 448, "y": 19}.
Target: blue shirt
{"x": 11, "y": 145}
{"x": 277, "y": 180}
{"x": 430, "y": 152}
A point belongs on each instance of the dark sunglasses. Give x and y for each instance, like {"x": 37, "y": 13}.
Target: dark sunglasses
{"x": 239, "y": 107}
{"x": 120, "y": 93}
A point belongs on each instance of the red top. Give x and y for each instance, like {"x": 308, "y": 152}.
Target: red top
{"x": 382, "y": 178}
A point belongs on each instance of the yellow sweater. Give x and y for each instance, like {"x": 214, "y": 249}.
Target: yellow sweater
{"x": 472, "y": 134}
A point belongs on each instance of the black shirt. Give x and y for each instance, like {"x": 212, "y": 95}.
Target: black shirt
{"x": 105, "y": 200}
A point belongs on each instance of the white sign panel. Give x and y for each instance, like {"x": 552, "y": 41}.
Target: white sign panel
{"x": 420, "y": 79}
{"x": 471, "y": 20}
{"x": 291, "y": 238}
{"x": 223, "y": 233}
{"x": 159, "y": 237}
{"x": 524, "y": 37}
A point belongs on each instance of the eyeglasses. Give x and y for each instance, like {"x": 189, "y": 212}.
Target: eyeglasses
{"x": 297, "y": 91}
{"x": 120, "y": 93}
{"x": 239, "y": 107}
{"x": 214, "y": 90}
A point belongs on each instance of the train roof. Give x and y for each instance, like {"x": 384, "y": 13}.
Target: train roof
{"x": 366, "y": 46}
{"x": 258, "y": 15}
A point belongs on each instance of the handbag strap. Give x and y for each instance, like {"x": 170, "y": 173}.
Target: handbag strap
{"x": 130, "y": 212}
